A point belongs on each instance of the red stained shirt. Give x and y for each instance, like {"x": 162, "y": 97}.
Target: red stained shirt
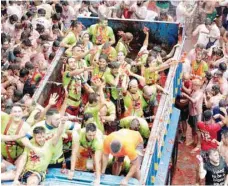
{"x": 208, "y": 133}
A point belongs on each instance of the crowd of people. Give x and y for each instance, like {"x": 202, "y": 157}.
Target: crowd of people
{"x": 101, "y": 119}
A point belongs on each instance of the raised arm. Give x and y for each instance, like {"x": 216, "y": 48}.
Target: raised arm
{"x": 52, "y": 101}
{"x": 75, "y": 148}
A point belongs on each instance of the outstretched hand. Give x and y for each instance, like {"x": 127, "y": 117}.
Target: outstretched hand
{"x": 53, "y": 99}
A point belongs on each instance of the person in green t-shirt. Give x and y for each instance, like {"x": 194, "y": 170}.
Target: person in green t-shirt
{"x": 101, "y": 33}
{"x": 73, "y": 82}
{"x": 108, "y": 50}
{"x": 95, "y": 104}
{"x": 123, "y": 44}
{"x": 137, "y": 124}
{"x": 73, "y": 36}
{"x": 32, "y": 167}
{"x": 13, "y": 125}
{"x": 91, "y": 139}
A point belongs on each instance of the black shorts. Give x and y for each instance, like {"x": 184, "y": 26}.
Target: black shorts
{"x": 184, "y": 114}
{"x": 27, "y": 174}
{"x": 192, "y": 121}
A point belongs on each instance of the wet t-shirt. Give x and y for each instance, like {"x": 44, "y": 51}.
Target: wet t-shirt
{"x": 216, "y": 175}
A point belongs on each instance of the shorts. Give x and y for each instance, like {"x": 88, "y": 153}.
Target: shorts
{"x": 27, "y": 174}
{"x": 139, "y": 150}
{"x": 192, "y": 121}
{"x": 184, "y": 114}
{"x": 74, "y": 111}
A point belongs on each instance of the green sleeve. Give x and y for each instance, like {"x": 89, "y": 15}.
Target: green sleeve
{"x": 66, "y": 79}
{"x": 109, "y": 79}
{"x": 125, "y": 123}
{"x": 98, "y": 144}
{"x": 144, "y": 129}
{"x": 69, "y": 39}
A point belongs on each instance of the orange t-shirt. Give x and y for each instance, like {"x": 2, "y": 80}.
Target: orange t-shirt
{"x": 128, "y": 138}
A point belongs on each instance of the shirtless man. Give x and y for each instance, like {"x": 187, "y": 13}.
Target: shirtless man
{"x": 195, "y": 111}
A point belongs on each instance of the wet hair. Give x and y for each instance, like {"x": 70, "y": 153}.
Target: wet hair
{"x": 29, "y": 65}
{"x": 41, "y": 12}
{"x": 56, "y": 43}
{"x": 87, "y": 116}
{"x": 18, "y": 94}
{"x": 134, "y": 124}
{"x": 51, "y": 56}
{"x": 207, "y": 115}
{"x": 216, "y": 88}
{"x": 208, "y": 75}
{"x": 23, "y": 72}
{"x": 24, "y": 17}
{"x": 13, "y": 18}
{"x": 29, "y": 14}
{"x": 222, "y": 67}
{"x": 25, "y": 35}
{"x": 75, "y": 23}
{"x": 52, "y": 112}
{"x": 103, "y": 56}
{"x": 55, "y": 26}
{"x": 113, "y": 65}
{"x": 38, "y": 130}
{"x": 27, "y": 42}
{"x": 115, "y": 146}
{"x": 92, "y": 98}
{"x": 106, "y": 45}
{"x": 58, "y": 8}
{"x": 13, "y": 67}
{"x": 91, "y": 127}
{"x": 64, "y": 3}
{"x": 18, "y": 26}
{"x": 56, "y": 16}
{"x": 40, "y": 28}
{"x": 16, "y": 51}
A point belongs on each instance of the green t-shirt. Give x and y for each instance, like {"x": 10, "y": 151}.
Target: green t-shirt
{"x": 101, "y": 35}
{"x": 144, "y": 128}
{"x": 111, "y": 108}
{"x": 70, "y": 39}
{"x": 109, "y": 78}
{"x": 14, "y": 150}
{"x": 94, "y": 110}
{"x": 121, "y": 47}
{"x": 38, "y": 163}
{"x": 74, "y": 89}
{"x": 57, "y": 151}
{"x": 94, "y": 145}
{"x": 134, "y": 107}
{"x": 150, "y": 77}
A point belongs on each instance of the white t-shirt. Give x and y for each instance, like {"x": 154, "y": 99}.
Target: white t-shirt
{"x": 42, "y": 21}
{"x": 15, "y": 9}
{"x": 202, "y": 33}
{"x": 48, "y": 8}
{"x": 68, "y": 16}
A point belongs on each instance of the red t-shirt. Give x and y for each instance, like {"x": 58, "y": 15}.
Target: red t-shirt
{"x": 208, "y": 133}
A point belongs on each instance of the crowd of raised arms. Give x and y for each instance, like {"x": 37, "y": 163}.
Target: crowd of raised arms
{"x": 101, "y": 119}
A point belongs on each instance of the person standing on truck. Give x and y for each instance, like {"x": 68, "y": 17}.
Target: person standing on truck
{"x": 73, "y": 36}
{"x": 101, "y": 33}
{"x": 87, "y": 142}
{"x": 123, "y": 143}
{"x": 32, "y": 167}
{"x": 73, "y": 83}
